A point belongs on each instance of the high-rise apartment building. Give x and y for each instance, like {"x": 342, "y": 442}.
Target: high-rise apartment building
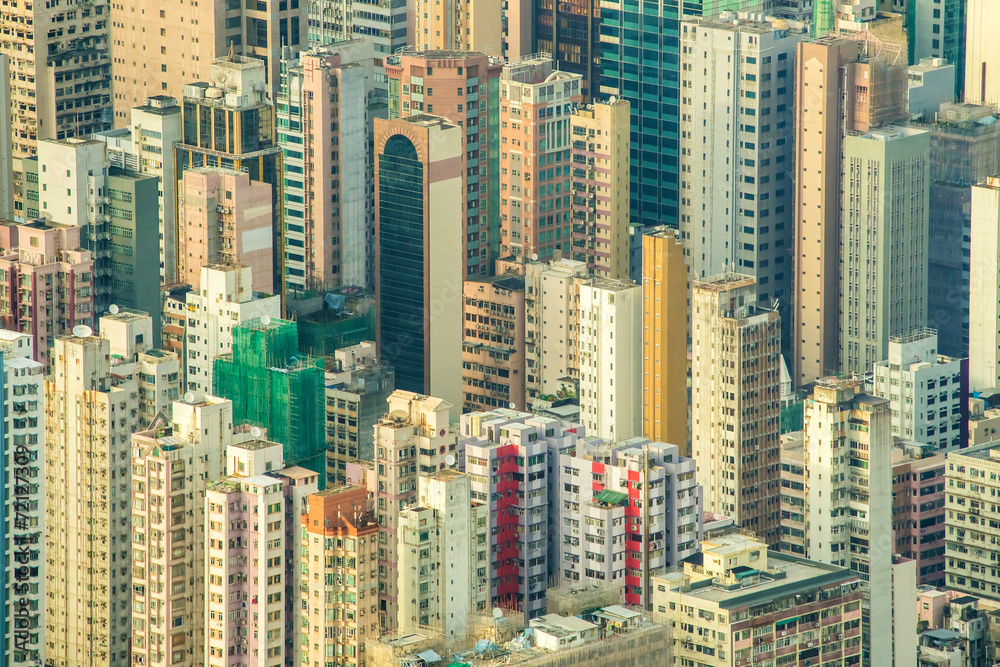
{"x": 735, "y": 379}
{"x": 965, "y": 151}
{"x": 72, "y": 182}
{"x": 664, "y": 342}
{"x": 600, "y": 186}
{"x": 229, "y": 123}
{"x": 984, "y": 286}
{"x": 89, "y": 419}
{"x": 848, "y": 496}
{"x": 357, "y": 387}
{"x": 885, "y": 229}
{"x": 323, "y": 129}
{"x": 743, "y": 604}
{"x": 22, "y": 533}
{"x": 47, "y": 282}
{"x": 339, "y": 544}
{"x": 414, "y": 435}
{"x": 172, "y": 464}
{"x": 536, "y": 104}
{"x": 971, "y": 542}
{"x": 157, "y": 51}
{"x": 458, "y": 25}
{"x": 551, "y": 349}
{"x": 982, "y": 62}
{"x": 443, "y": 553}
{"x": 224, "y": 217}
{"x": 737, "y": 110}
{"x": 6, "y": 143}
{"x": 918, "y": 514}
{"x": 225, "y": 300}
{"x": 464, "y": 88}
{"x": 622, "y": 513}
{"x": 418, "y": 251}
{"x": 146, "y": 147}
{"x": 928, "y": 392}
{"x": 493, "y": 343}
{"x": 609, "y": 340}
{"x": 66, "y": 92}
{"x": 517, "y": 446}
{"x": 829, "y": 71}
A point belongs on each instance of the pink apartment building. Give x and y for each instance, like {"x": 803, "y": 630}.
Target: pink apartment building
{"x": 537, "y": 102}
{"x": 46, "y": 281}
{"x": 224, "y": 218}
{"x": 918, "y": 514}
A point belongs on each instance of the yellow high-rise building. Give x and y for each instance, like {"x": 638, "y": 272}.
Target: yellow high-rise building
{"x": 664, "y": 339}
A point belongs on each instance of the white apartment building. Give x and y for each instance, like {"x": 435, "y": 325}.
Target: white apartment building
{"x": 609, "y": 339}
{"x": 414, "y": 436}
{"x": 225, "y": 300}
{"x": 550, "y": 347}
{"x": 133, "y": 359}
{"x": 146, "y": 146}
{"x": 973, "y": 547}
{"x": 886, "y": 202}
{"x": 23, "y": 527}
{"x": 735, "y": 399}
{"x": 847, "y": 461}
{"x": 927, "y": 400}
{"x": 443, "y": 555}
{"x": 737, "y": 112}
{"x": 622, "y": 512}
{"x": 88, "y": 528}
{"x": 984, "y": 286}
{"x": 172, "y": 463}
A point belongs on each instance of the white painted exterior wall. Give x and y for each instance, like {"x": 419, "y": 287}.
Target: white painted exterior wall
{"x": 984, "y": 287}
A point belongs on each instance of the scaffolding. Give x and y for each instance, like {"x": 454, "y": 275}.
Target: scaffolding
{"x": 273, "y": 385}
{"x": 568, "y": 600}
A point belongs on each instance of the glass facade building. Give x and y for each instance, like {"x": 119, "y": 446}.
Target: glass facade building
{"x": 639, "y": 60}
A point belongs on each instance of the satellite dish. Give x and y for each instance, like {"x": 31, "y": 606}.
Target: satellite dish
{"x": 534, "y": 257}
{"x": 265, "y": 320}
{"x": 497, "y": 613}
{"x": 449, "y": 460}
{"x": 513, "y": 406}
{"x": 399, "y": 416}
{"x": 82, "y": 331}
{"x": 189, "y": 397}
{"x": 255, "y": 432}
{"x": 113, "y": 309}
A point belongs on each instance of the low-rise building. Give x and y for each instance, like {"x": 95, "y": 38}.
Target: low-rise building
{"x": 737, "y": 603}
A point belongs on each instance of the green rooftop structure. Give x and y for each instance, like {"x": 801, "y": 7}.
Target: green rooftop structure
{"x": 273, "y": 385}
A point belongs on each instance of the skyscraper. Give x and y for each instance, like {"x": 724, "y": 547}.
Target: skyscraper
{"x": 829, "y": 71}
{"x": 458, "y": 25}
{"x": 735, "y": 376}
{"x": 418, "y": 241}
{"x": 984, "y": 293}
{"x": 664, "y": 340}
{"x": 88, "y": 522}
{"x": 982, "y": 60}
{"x": 464, "y": 88}
{"x": 885, "y": 208}
{"x": 322, "y": 114}
{"x": 736, "y": 112}
{"x": 536, "y": 102}
{"x": 570, "y": 31}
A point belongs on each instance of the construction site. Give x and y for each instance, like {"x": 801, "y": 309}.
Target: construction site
{"x": 611, "y": 635}
{"x": 276, "y": 387}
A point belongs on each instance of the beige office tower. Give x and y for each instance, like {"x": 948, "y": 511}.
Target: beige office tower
{"x": 444, "y": 557}
{"x": 884, "y": 283}
{"x": 172, "y": 463}
{"x": 984, "y": 287}
{"x": 982, "y": 57}
{"x": 156, "y": 50}
{"x": 88, "y": 527}
{"x": 735, "y": 379}
{"x": 458, "y": 25}
{"x": 601, "y": 194}
{"x": 664, "y": 339}
{"x": 414, "y": 435}
{"x": 552, "y": 365}
{"x": 60, "y": 72}
{"x": 843, "y": 84}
